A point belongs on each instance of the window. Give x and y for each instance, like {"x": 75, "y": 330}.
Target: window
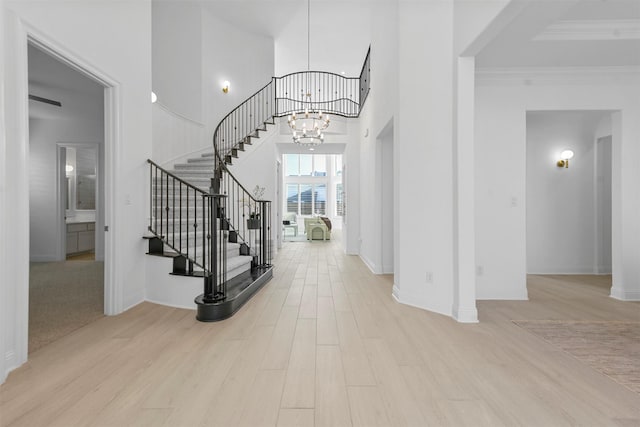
{"x": 320, "y": 166}
{"x": 292, "y": 198}
{"x": 339, "y": 200}
{"x": 338, "y": 165}
{"x": 292, "y": 164}
{"x": 310, "y": 183}
{"x": 307, "y": 199}
{"x": 320, "y": 199}
{"x": 306, "y": 164}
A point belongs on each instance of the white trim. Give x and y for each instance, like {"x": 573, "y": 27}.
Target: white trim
{"x": 113, "y": 288}
{"x": 555, "y": 75}
{"x": 505, "y": 296}
{"x": 112, "y": 142}
{"x": 61, "y": 211}
{"x": 370, "y": 264}
{"x": 4, "y": 362}
{"x": 622, "y": 295}
{"x": 610, "y": 29}
{"x": 465, "y": 315}
{"x": 21, "y": 247}
{"x": 395, "y": 293}
{"x": 178, "y": 115}
{"x": 408, "y": 299}
{"x": 590, "y": 269}
{"x": 166, "y": 304}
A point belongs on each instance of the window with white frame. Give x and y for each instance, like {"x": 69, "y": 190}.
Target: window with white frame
{"x": 310, "y": 183}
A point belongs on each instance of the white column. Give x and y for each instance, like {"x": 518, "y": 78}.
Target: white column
{"x": 3, "y": 204}
{"x": 625, "y": 200}
{"x": 464, "y": 292}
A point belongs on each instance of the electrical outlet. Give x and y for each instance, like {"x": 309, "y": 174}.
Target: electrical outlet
{"x": 479, "y": 270}
{"x": 514, "y": 201}
{"x": 429, "y": 277}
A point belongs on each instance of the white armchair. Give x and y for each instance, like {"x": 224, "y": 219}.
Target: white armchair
{"x": 317, "y": 229}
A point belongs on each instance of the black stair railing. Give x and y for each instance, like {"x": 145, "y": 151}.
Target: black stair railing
{"x": 179, "y": 216}
{"x": 196, "y": 223}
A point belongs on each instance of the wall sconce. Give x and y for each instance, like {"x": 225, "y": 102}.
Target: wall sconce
{"x": 154, "y": 97}
{"x": 225, "y": 86}
{"x": 564, "y": 159}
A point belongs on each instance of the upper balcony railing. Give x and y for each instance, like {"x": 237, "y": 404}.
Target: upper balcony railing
{"x": 331, "y": 93}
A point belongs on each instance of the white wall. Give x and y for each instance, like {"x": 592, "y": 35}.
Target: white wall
{"x": 177, "y": 56}
{"x": 340, "y": 36}
{"x": 423, "y": 145}
{"x": 502, "y": 100}
{"x": 194, "y": 52}
{"x": 245, "y": 59}
{"x": 561, "y": 219}
{"x": 44, "y": 134}
{"x": 78, "y": 30}
{"x": 176, "y": 137}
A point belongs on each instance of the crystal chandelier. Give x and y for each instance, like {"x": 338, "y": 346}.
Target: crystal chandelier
{"x": 308, "y": 127}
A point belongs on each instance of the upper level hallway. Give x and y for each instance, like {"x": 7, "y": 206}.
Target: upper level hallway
{"x": 324, "y": 344}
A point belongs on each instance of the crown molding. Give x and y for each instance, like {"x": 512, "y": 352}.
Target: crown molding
{"x": 612, "y": 29}
{"x": 552, "y": 75}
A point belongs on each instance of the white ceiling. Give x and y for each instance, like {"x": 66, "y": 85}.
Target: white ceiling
{"x": 266, "y": 17}
{"x": 80, "y": 96}
{"x": 568, "y": 33}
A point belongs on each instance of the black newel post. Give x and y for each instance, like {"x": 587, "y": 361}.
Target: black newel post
{"x": 263, "y": 232}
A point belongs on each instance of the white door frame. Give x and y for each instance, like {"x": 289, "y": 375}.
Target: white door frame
{"x": 61, "y": 195}
{"x": 113, "y": 291}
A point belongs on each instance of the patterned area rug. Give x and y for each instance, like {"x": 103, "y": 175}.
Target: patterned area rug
{"x": 610, "y": 347}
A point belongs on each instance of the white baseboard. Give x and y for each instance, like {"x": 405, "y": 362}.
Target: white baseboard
{"x": 465, "y": 315}
{"x": 621, "y": 295}
{"x": 10, "y": 363}
{"x": 395, "y": 292}
{"x": 515, "y": 296}
{"x": 192, "y": 307}
{"x": 43, "y": 258}
{"x": 414, "y": 301}
{"x": 371, "y": 265}
{"x": 563, "y": 270}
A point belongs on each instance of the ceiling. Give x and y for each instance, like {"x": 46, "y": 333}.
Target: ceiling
{"x": 567, "y": 33}
{"x": 80, "y": 96}
{"x": 266, "y": 17}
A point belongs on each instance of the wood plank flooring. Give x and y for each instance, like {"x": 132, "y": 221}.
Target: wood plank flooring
{"x": 325, "y": 344}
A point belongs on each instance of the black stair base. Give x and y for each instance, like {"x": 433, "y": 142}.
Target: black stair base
{"x": 214, "y": 311}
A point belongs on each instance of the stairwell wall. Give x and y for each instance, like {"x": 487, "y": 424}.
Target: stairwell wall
{"x": 194, "y": 52}
{"x": 177, "y": 57}
{"x": 230, "y": 53}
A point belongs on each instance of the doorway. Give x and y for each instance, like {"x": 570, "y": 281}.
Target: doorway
{"x": 569, "y": 202}
{"x": 66, "y": 197}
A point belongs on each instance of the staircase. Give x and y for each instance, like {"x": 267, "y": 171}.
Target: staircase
{"x": 206, "y": 221}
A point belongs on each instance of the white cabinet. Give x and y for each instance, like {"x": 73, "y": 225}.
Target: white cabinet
{"x": 81, "y": 237}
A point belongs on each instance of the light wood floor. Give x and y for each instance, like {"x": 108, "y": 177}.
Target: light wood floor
{"x": 325, "y": 344}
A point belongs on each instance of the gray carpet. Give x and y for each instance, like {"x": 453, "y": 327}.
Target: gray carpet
{"x": 610, "y": 347}
{"x": 63, "y": 296}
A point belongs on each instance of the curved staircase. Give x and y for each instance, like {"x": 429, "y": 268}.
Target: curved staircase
{"x": 206, "y": 221}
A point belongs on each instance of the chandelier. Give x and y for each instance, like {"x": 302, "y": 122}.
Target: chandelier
{"x": 307, "y": 128}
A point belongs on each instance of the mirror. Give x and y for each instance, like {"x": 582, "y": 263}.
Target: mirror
{"x": 81, "y": 178}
